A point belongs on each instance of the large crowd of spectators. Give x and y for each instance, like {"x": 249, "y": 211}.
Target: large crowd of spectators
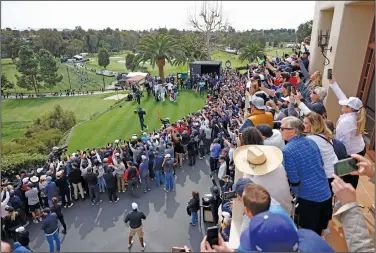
{"x": 269, "y": 123}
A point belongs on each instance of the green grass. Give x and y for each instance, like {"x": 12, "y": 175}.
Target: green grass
{"x": 95, "y": 81}
{"x": 121, "y": 123}
{"x": 17, "y": 114}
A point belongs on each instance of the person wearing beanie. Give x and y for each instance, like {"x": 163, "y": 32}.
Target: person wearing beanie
{"x": 33, "y": 201}
{"x": 135, "y": 218}
{"x": 51, "y": 229}
{"x": 92, "y": 182}
{"x": 110, "y": 184}
{"x": 50, "y": 190}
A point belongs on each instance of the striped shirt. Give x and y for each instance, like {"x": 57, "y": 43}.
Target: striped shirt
{"x": 303, "y": 163}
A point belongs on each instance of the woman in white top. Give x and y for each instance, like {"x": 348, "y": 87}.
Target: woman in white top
{"x": 350, "y": 126}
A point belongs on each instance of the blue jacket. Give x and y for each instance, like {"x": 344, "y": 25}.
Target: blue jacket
{"x": 51, "y": 190}
{"x": 157, "y": 163}
{"x": 19, "y": 248}
{"x": 49, "y": 224}
{"x": 144, "y": 166}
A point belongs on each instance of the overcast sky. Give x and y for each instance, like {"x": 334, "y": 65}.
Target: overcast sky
{"x": 140, "y": 15}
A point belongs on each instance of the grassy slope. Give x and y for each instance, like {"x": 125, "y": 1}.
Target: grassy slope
{"x": 121, "y": 123}
{"x": 16, "y": 114}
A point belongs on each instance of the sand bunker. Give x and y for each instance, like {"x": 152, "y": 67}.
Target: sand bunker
{"x": 116, "y": 97}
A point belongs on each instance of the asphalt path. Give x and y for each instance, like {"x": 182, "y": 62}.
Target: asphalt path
{"x": 102, "y": 228}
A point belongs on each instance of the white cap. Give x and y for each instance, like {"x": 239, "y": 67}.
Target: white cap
{"x": 117, "y": 154}
{"x": 167, "y": 156}
{"x": 116, "y": 141}
{"x": 39, "y": 170}
{"x": 25, "y": 180}
{"x": 287, "y": 99}
{"x": 249, "y": 84}
{"x": 134, "y": 206}
{"x": 262, "y": 77}
{"x": 20, "y": 229}
{"x": 144, "y": 133}
{"x": 134, "y": 137}
{"x": 352, "y": 102}
{"x": 143, "y": 157}
{"x": 258, "y": 102}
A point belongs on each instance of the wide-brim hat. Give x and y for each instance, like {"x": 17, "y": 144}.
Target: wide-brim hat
{"x": 34, "y": 179}
{"x": 257, "y": 160}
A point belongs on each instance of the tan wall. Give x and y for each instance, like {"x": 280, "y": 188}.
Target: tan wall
{"x": 349, "y": 33}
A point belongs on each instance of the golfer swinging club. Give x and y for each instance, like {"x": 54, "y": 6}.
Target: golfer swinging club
{"x": 141, "y": 114}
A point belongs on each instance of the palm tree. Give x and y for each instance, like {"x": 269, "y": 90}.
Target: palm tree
{"x": 251, "y": 52}
{"x": 159, "y": 48}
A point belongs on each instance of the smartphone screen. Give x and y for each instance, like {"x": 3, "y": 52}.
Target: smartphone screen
{"x": 212, "y": 235}
{"x": 330, "y": 74}
{"x": 345, "y": 166}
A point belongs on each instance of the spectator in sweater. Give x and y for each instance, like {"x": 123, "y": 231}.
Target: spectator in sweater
{"x": 92, "y": 181}
{"x": 194, "y": 206}
{"x": 110, "y": 184}
{"x": 62, "y": 184}
{"x": 51, "y": 229}
{"x": 56, "y": 208}
{"x": 271, "y": 137}
{"x": 33, "y": 201}
{"x": 75, "y": 180}
{"x": 157, "y": 167}
{"x": 144, "y": 172}
{"x": 305, "y": 171}
{"x": 50, "y": 190}
{"x": 119, "y": 168}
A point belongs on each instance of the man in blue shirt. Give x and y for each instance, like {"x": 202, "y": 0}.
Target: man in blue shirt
{"x": 215, "y": 151}
{"x": 157, "y": 166}
{"x": 304, "y": 167}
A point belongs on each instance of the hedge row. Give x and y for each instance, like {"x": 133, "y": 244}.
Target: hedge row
{"x": 13, "y": 163}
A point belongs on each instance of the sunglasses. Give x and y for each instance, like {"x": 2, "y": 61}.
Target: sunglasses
{"x": 286, "y": 128}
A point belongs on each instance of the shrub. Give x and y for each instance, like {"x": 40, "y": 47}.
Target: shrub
{"x": 12, "y": 164}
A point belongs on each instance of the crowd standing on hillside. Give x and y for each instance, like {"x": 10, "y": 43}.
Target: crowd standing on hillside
{"x": 270, "y": 124}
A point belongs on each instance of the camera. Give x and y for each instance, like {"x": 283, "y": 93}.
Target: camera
{"x": 229, "y": 195}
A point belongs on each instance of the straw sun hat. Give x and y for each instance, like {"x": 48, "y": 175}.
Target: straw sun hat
{"x": 257, "y": 160}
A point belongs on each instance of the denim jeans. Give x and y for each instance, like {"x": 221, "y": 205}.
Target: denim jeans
{"x": 194, "y": 217}
{"x": 51, "y": 239}
{"x": 101, "y": 184}
{"x": 169, "y": 179}
{"x": 158, "y": 177}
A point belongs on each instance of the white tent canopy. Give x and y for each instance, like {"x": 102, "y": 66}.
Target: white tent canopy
{"x": 79, "y": 57}
{"x": 133, "y": 74}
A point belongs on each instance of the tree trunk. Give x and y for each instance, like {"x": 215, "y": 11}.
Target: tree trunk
{"x": 161, "y": 63}
{"x": 207, "y": 39}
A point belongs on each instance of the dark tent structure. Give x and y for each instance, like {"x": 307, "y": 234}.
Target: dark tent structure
{"x": 205, "y": 67}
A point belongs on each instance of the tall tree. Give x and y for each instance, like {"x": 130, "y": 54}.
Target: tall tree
{"x": 50, "y": 40}
{"x": 159, "y": 48}
{"x": 103, "y": 58}
{"x": 251, "y": 52}
{"x": 27, "y": 65}
{"x": 75, "y": 47}
{"x": 11, "y": 43}
{"x": 194, "y": 47}
{"x": 129, "y": 62}
{"x": 5, "y": 83}
{"x": 304, "y": 30}
{"x": 208, "y": 21}
{"x": 48, "y": 69}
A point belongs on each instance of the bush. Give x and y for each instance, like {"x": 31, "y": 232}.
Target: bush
{"x": 12, "y": 164}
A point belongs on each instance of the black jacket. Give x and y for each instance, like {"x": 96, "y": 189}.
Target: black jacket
{"x": 191, "y": 147}
{"x": 194, "y": 204}
{"x": 57, "y": 209}
{"x": 12, "y": 224}
{"x": 92, "y": 179}
{"x": 135, "y": 219}
{"x": 110, "y": 180}
{"x": 62, "y": 182}
{"x": 75, "y": 176}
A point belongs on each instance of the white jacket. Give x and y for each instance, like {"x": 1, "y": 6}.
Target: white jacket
{"x": 275, "y": 140}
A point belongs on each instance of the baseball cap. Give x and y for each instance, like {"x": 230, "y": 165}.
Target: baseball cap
{"x": 167, "y": 156}
{"x": 241, "y": 184}
{"x": 352, "y": 102}
{"x": 309, "y": 241}
{"x": 25, "y": 180}
{"x": 49, "y": 178}
{"x": 156, "y": 153}
{"x": 105, "y": 160}
{"x": 46, "y": 210}
{"x": 117, "y": 154}
{"x": 270, "y": 232}
{"x": 306, "y": 52}
{"x": 258, "y": 102}
{"x": 134, "y": 206}
{"x": 143, "y": 157}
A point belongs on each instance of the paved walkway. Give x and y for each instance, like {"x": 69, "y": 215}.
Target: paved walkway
{"x": 102, "y": 228}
